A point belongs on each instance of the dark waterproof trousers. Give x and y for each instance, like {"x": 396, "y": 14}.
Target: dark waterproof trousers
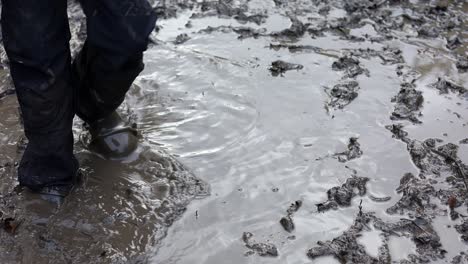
{"x": 51, "y": 89}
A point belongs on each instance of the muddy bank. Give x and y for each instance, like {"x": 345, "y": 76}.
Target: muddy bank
{"x": 117, "y": 213}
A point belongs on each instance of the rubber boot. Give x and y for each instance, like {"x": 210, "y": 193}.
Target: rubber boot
{"x": 112, "y": 138}
{"x": 55, "y": 194}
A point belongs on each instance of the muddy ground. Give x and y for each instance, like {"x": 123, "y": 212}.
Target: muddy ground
{"x": 328, "y": 132}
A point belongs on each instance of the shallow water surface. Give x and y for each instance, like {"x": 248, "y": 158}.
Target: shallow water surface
{"x": 255, "y": 138}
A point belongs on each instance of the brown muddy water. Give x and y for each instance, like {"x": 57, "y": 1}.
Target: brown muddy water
{"x": 316, "y": 131}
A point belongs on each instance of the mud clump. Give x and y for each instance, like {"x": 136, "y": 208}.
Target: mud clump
{"x": 353, "y": 6}
{"x": 243, "y": 32}
{"x": 379, "y": 199}
{"x": 279, "y": 67}
{"x": 416, "y": 195}
{"x": 428, "y": 31}
{"x": 341, "y": 196}
{"x": 182, "y": 38}
{"x": 346, "y": 248}
{"x": 438, "y": 161}
{"x": 460, "y": 258}
{"x": 463, "y": 230}
{"x": 408, "y": 103}
{"x": 462, "y": 64}
{"x": 247, "y": 32}
{"x": 398, "y": 132}
{"x": 229, "y": 9}
{"x": 350, "y": 66}
{"x": 165, "y": 12}
{"x": 433, "y": 161}
{"x": 445, "y": 86}
{"x": 287, "y": 221}
{"x": 342, "y": 94}
{"x": 262, "y": 249}
{"x": 295, "y": 31}
{"x": 422, "y": 233}
{"x": 353, "y": 151}
{"x": 10, "y": 224}
{"x": 257, "y": 18}
{"x": 295, "y": 48}
{"x": 453, "y": 42}
{"x": 388, "y": 55}
{"x": 463, "y": 141}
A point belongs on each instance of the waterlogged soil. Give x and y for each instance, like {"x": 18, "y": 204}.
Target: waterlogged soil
{"x": 309, "y": 123}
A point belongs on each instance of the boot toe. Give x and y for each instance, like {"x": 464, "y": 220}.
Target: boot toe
{"x": 118, "y": 144}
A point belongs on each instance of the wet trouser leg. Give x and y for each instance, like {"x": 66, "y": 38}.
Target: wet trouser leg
{"x": 35, "y": 37}
{"x": 112, "y": 56}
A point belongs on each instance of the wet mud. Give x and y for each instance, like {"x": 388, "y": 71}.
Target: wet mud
{"x": 347, "y": 249}
{"x": 262, "y": 249}
{"x": 341, "y": 196}
{"x": 408, "y": 103}
{"x": 388, "y": 72}
{"x": 445, "y": 86}
{"x": 278, "y": 68}
{"x": 350, "y": 66}
{"x": 115, "y": 205}
{"x": 342, "y": 94}
{"x": 353, "y": 152}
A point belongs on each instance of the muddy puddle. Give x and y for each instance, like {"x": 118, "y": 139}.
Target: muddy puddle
{"x": 316, "y": 131}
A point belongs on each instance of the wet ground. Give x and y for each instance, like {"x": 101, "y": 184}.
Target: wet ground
{"x": 324, "y": 131}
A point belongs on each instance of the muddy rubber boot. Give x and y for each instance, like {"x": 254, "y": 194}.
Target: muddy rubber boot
{"x": 112, "y": 138}
{"x": 55, "y": 194}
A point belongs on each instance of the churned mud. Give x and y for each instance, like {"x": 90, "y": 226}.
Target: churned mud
{"x": 248, "y": 93}
{"x": 116, "y": 205}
